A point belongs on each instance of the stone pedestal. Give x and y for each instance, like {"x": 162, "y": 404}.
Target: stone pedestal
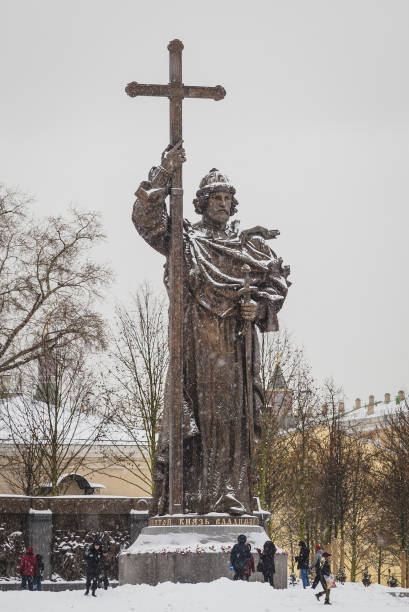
{"x": 191, "y": 554}
{"x": 138, "y": 519}
{"x": 40, "y": 535}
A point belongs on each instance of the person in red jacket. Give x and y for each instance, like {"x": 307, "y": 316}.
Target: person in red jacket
{"x": 28, "y": 568}
{"x": 250, "y": 564}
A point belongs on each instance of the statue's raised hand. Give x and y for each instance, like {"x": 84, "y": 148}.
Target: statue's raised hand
{"x": 248, "y": 310}
{"x": 173, "y": 157}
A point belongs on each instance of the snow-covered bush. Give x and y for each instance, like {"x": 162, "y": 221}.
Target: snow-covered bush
{"x": 11, "y": 550}
{"x": 69, "y": 547}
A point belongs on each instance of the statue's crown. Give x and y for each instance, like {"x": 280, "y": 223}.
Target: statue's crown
{"x": 215, "y": 181}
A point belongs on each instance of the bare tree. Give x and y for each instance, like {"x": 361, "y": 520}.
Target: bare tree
{"x": 360, "y": 510}
{"x": 383, "y": 553}
{"x": 303, "y": 445}
{"x": 279, "y": 360}
{"x": 285, "y": 453}
{"x": 21, "y": 456}
{"x": 53, "y": 432}
{"x": 391, "y": 477}
{"x": 13, "y": 209}
{"x": 342, "y": 490}
{"x": 333, "y": 480}
{"x": 136, "y": 393}
{"x": 48, "y": 286}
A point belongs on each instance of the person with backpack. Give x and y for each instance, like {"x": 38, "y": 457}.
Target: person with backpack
{"x": 239, "y": 556}
{"x": 28, "y": 568}
{"x": 250, "y": 564}
{"x": 325, "y": 573}
{"x": 316, "y": 565}
{"x": 38, "y": 576}
{"x": 93, "y": 556}
{"x": 266, "y": 565}
{"x": 302, "y": 563}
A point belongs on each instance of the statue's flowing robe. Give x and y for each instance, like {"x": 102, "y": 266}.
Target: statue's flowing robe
{"x": 217, "y": 439}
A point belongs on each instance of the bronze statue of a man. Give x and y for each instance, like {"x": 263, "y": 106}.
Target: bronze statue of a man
{"x": 219, "y": 432}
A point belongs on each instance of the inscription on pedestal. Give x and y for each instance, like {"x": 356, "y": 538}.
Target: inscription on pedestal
{"x": 175, "y": 521}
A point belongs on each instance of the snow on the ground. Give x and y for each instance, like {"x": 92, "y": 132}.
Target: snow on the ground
{"x": 219, "y": 596}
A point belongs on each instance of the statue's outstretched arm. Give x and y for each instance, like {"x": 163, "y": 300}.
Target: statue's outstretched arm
{"x": 149, "y": 213}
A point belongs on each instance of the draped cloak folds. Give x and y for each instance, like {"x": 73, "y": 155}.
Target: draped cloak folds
{"x": 217, "y": 439}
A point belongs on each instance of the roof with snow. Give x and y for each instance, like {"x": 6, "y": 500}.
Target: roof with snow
{"x": 81, "y": 481}
{"x": 374, "y": 411}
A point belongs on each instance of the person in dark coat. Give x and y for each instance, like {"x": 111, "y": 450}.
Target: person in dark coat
{"x": 93, "y": 557}
{"x": 239, "y": 556}
{"x": 267, "y": 566}
{"x": 104, "y": 580}
{"x": 316, "y": 565}
{"x": 302, "y": 563}
{"x": 325, "y": 572}
{"x": 250, "y": 564}
{"x": 28, "y": 568}
{"x": 39, "y": 574}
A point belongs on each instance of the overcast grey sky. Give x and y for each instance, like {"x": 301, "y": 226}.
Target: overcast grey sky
{"x": 314, "y": 133}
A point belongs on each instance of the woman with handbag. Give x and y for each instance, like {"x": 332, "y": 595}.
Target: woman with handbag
{"x": 266, "y": 564}
{"x": 325, "y": 578}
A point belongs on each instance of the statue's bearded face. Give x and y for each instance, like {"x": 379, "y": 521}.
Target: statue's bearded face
{"x": 218, "y": 207}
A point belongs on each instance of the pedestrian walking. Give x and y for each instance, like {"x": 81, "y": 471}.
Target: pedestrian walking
{"x": 93, "y": 556}
{"x": 38, "y": 576}
{"x": 366, "y": 578}
{"x": 316, "y": 565}
{"x": 239, "y": 556}
{"x": 250, "y": 564}
{"x": 325, "y": 573}
{"x": 267, "y": 565}
{"x": 28, "y": 568}
{"x": 302, "y": 563}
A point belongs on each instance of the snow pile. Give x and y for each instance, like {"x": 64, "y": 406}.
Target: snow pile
{"x": 215, "y": 596}
{"x": 203, "y": 539}
{"x": 182, "y": 543}
{"x": 33, "y": 511}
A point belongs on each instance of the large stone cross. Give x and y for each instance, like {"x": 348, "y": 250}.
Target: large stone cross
{"x": 176, "y": 91}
